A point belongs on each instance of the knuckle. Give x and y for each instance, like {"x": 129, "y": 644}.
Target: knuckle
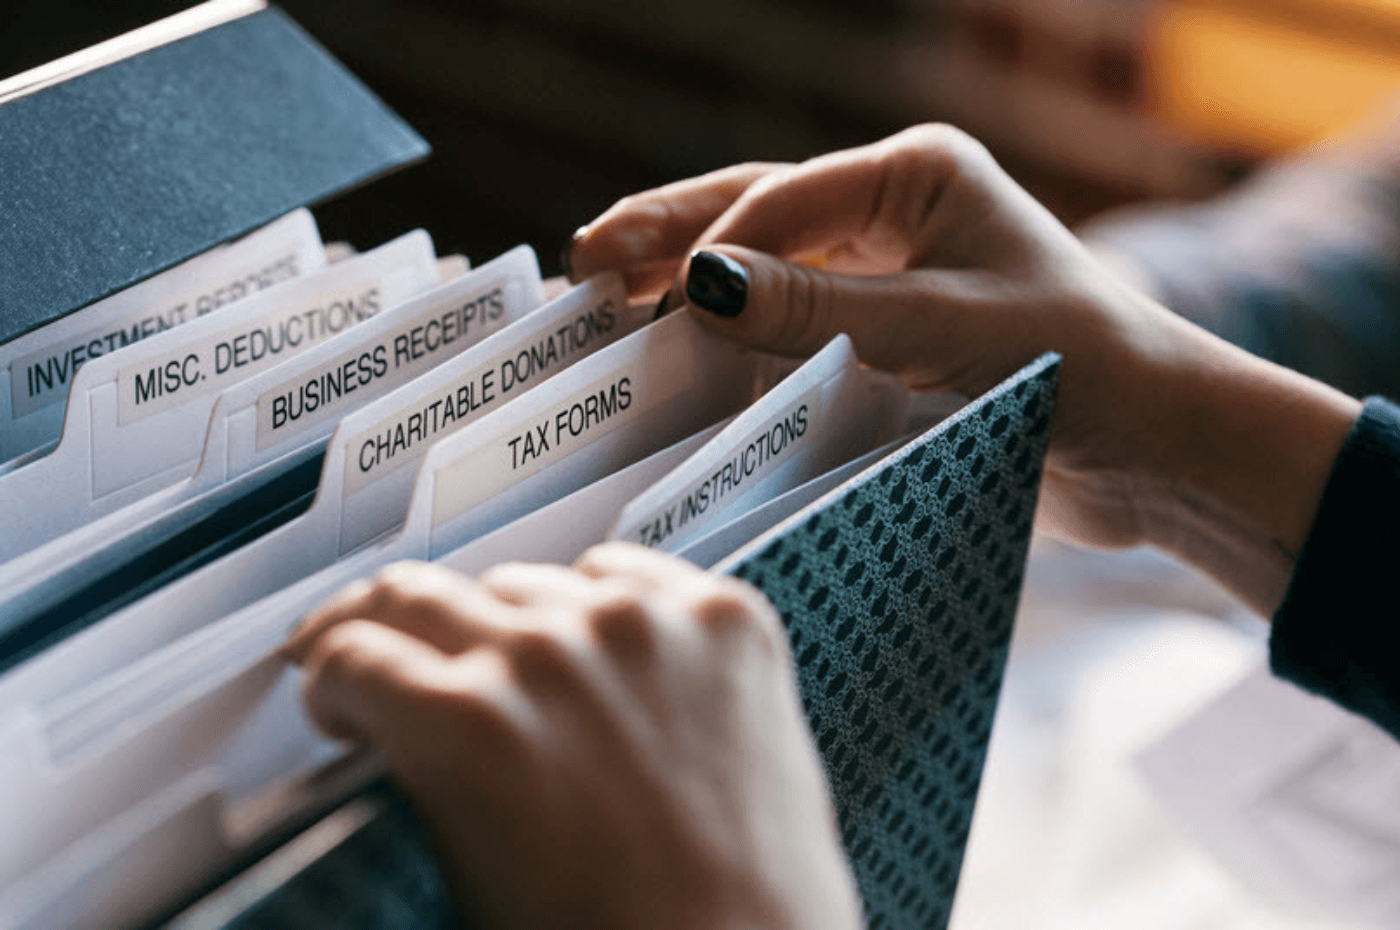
{"x": 620, "y": 621}
{"x": 939, "y": 139}
{"x": 769, "y": 189}
{"x": 728, "y": 607}
{"x": 538, "y": 655}
{"x": 392, "y": 582}
{"x": 918, "y": 165}
{"x": 809, "y": 309}
{"x": 340, "y": 656}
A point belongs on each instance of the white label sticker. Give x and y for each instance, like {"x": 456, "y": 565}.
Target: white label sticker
{"x": 212, "y": 364}
{"x": 373, "y": 368}
{"x": 535, "y": 443}
{"x": 43, "y": 376}
{"x": 751, "y": 460}
{"x": 402, "y": 439}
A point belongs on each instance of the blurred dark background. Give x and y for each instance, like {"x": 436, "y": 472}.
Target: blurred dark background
{"x": 544, "y": 112}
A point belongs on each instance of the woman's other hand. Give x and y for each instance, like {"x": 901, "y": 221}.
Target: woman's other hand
{"x": 619, "y": 744}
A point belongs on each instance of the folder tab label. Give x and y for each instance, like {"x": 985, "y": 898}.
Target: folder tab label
{"x": 755, "y": 457}
{"x": 41, "y": 376}
{"x": 214, "y": 363}
{"x": 529, "y": 446}
{"x": 402, "y": 439}
{"x": 413, "y": 347}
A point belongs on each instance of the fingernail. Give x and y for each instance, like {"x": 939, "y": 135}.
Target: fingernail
{"x": 717, "y": 284}
{"x": 662, "y": 306}
{"x": 566, "y": 254}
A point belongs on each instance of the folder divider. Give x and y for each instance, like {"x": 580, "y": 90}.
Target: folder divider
{"x": 825, "y": 413}
{"x": 136, "y": 419}
{"x": 313, "y": 540}
{"x": 268, "y": 421}
{"x": 41, "y": 364}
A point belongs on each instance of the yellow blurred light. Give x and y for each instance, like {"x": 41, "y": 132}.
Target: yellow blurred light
{"x": 1262, "y": 84}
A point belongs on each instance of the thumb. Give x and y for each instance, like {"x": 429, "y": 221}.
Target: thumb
{"x": 897, "y": 322}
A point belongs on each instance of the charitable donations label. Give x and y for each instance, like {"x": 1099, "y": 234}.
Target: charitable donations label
{"x": 542, "y": 350}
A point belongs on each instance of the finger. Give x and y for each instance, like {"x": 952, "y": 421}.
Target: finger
{"x": 648, "y": 571}
{"x": 646, "y": 236}
{"x": 880, "y": 199}
{"x": 364, "y": 680}
{"x": 533, "y": 585}
{"x": 439, "y": 606}
{"x": 926, "y": 326}
{"x": 715, "y": 604}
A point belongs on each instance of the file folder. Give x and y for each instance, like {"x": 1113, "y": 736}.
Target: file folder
{"x": 898, "y": 591}
{"x": 897, "y": 587}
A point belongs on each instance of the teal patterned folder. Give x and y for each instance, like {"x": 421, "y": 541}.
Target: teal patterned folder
{"x": 898, "y": 591}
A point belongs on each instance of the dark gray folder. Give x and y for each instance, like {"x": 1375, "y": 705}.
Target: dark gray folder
{"x": 114, "y": 175}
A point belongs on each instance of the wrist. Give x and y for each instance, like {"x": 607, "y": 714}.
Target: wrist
{"x": 1246, "y": 450}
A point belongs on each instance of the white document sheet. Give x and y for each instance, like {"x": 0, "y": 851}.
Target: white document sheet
{"x": 38, "y": 367}
{"x": 137, "y": 418}
{"x": 1299, "y": 798}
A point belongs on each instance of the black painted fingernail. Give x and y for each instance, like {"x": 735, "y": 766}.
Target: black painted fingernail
{"x": 717, "y": 283}
{"x": 566, "y": 254}
{"x": 662, "y": 306}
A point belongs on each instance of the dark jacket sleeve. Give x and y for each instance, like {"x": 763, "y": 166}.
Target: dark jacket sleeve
{"x": 1337, "y": 632}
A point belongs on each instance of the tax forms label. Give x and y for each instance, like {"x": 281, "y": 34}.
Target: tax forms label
{"x": 370, "y": 370}
{"x": 43, "y": 376}
{"x": 754, "y": 458}
{"x": 404, "y": 438}
{"x": 533, "y": 444}
{"x": 216, "y": 362}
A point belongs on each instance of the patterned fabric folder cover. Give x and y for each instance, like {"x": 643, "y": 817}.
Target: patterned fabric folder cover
{"x": 898, "y": 591}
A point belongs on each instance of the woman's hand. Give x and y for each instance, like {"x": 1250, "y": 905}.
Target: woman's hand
{"x": 620, "y": 744}
{"x": 943, "y": 270}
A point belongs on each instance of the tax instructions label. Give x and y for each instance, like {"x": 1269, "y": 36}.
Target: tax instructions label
{"x": 210, "y": 364}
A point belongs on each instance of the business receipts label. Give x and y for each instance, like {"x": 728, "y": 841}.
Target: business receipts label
{"x": 377, "y": 366}
{"x": 533, "y": 444}
{"x": 214, "y": 363}
{"x": 751, "y": 460}
{"x": 402, "y": 439}
{"x": 44, "y": 376}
